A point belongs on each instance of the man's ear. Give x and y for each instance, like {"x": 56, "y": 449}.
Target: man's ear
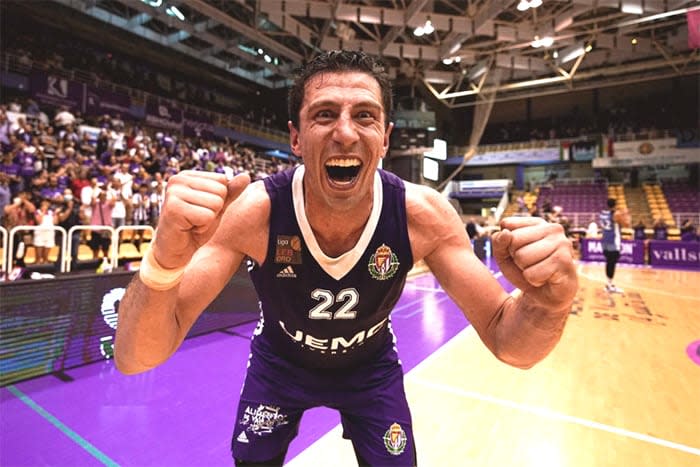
{"x": 294, "y": 139}
{"x": 387, "y": 135}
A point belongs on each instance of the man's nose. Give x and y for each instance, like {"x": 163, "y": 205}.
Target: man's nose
{"x": 345, "y": 131}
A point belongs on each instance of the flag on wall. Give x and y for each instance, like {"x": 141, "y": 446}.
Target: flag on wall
{"x": 693, "y": 29}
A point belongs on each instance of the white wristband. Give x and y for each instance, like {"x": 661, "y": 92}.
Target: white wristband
{"x": 156, "y": 276}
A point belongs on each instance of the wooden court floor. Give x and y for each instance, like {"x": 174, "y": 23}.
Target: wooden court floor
{"x": 619, "y": 390}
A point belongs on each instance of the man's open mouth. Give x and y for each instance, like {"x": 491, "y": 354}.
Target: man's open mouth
{"x": 343, "y": 171}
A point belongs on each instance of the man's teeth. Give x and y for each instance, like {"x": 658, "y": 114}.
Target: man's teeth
{"x": 343, "y": 163}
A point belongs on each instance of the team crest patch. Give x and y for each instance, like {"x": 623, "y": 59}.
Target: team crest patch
{"x": 288, "y": 249}
{"x": 395, "y": 439}
{"x": 383, "y": 264}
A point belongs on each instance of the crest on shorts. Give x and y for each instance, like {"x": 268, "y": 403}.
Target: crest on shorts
{"x": 395, "y": 439}
{"x": 383, "y": 264}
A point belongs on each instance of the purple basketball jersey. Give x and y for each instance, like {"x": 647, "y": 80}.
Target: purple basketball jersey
{"x": 320, "y": 312}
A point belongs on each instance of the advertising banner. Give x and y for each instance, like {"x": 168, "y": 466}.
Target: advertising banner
{"x": 644, "y": 148}
{"x": 198, "y": 125}
{"x": 53, "y": 325}
{"x": 55, "y": 91}
{"x": 631, "y": 251}
{"x": 674, "y": 253}
{"x": 163, "y": 115}
{"x": 103, "y": 101}
{"x": 516, "y": 156}
{"x": 661, "y": 151}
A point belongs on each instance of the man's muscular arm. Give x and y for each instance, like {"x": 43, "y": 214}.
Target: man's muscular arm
{"x": 533, "y": 255}
{"x": 200, "y": 232}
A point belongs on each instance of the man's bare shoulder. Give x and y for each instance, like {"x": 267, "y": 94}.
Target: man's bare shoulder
{"x": 426, "y": 205}
{"x": 431, "y": 219}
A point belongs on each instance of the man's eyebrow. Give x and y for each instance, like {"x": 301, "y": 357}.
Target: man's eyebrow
{"x": 331, "y": 103}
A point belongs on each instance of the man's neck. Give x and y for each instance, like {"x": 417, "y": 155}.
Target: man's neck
{"x": 336, "y": 231}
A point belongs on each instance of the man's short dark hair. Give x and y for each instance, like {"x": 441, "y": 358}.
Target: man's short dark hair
{"x": 338, "y": 61}
{"x": 611, "y": 202}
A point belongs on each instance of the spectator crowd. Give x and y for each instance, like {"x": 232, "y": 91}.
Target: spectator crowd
{"x": 65, "y": 171}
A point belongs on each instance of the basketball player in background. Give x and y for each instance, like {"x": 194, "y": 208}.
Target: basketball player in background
{"x": 611, "y": 220}
{"x": 330, "y": 244}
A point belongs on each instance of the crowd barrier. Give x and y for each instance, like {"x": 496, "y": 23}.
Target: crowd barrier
{"x": 654, "y": 252}
{"x": 64, "y": 258}
{"x": 52, "y": 325}
{"x": 3, "y": 258}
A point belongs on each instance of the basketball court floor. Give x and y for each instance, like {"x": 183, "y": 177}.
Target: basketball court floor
{"x": 622, "y": 388}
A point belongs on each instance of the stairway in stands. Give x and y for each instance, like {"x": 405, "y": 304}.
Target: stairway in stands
{"x": 638, "y": 206}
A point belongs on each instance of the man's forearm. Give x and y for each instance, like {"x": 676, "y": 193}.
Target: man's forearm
{"x": 524, "y": 331}
{"x": 148, "y": 330}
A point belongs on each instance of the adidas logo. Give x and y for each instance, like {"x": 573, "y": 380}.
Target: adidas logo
{"x": 287, "y": 272}
{"x": 242, "y": 438}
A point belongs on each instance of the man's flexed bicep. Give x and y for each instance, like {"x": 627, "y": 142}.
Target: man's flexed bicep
{"x": 438, "y": 237}
{"x": 154, "y": 320}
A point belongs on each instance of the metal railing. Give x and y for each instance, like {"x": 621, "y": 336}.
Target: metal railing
{"x": 126, "y": 228}
{"x": 3, "y": 262}
{"x": 33, "y": 228}
{"x": 67, "y": 245}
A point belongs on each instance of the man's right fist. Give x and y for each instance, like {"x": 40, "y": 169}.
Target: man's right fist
{"x": 194, "y": 205}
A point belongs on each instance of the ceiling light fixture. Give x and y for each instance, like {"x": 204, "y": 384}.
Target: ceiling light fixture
{"x": 546, "y": 41}
{"x": 632, "y": 7}
{"x": 173, "y": 11}
{"x": 524, "y": 5}
{"x": 478, "y": 69}
{"x": 571, "y": 53}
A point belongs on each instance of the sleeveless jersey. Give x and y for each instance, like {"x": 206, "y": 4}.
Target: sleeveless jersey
{"x": 319, "y": 312}
{"x": 611, "y": 231}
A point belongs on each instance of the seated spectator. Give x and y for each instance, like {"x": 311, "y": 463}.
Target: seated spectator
{"x": 44, "y": 237}
{"x": 592, "y": 229}
{"x": 660, "y": 230}
{"x": 68, "y": 216}
{"x": 474, "y": 230}
{"x": 688, "y": 233}
{"x": 20, "y": 212}
{"x": 64, "y": 118}
{"x": 639, "y": 231}
{"x": 101, "y": 240}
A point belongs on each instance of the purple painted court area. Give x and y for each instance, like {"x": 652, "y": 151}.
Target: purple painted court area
{"x": 181, "y": 413}
{"x": 693, "y": 352}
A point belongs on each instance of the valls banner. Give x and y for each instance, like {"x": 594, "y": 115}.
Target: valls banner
{"x": 631, "y": 251}
{"x": 674, "y": 253}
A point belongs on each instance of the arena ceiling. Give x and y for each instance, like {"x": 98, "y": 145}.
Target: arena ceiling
{"x": 467, "y": 49}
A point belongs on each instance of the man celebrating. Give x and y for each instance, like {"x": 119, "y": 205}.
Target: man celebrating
{"x": 331, "y": 243}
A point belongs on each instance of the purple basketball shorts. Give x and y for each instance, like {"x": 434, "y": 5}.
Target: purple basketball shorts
{"x": 371, "y": 401}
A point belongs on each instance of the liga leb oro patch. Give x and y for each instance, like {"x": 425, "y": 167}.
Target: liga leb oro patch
{"x": 288, "y": 249}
